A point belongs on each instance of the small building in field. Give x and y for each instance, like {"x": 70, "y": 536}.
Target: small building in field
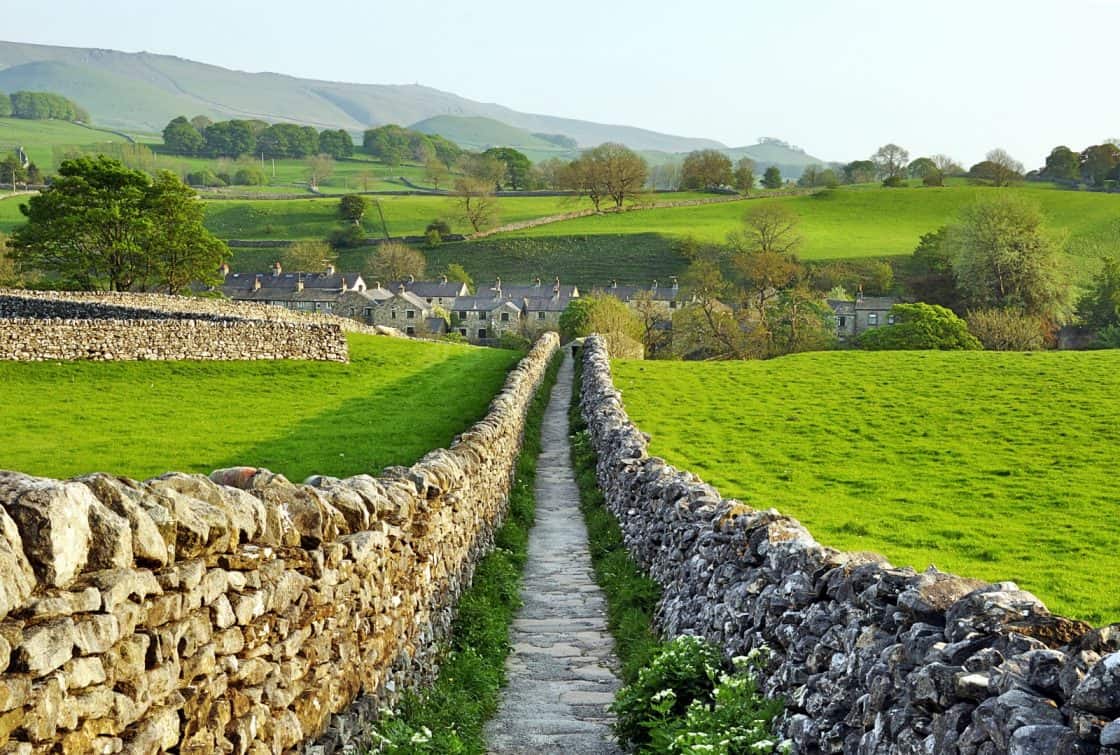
{"x": 854, "y": 317}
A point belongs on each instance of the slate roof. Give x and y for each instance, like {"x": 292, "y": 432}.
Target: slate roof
{"x": 545, "y": 303}
{"x": 240, "y": 285}
{"x": 627, "y": 293}
{"x": 532, "y": 290}
{"x": 430, "y": 289}
{"x": 481, "y": 304}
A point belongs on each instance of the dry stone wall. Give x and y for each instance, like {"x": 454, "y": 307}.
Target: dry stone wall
{"x": 240, "y": 612}
{"x": 872, "y": 659}
{"x": 36, "y": 326}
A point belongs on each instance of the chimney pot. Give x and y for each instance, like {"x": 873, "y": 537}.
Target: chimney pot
{"x": 276, "y": 269}
{"x": 443, "y": 279}
{"x": 412, "y": 279}
{"x": 330, "y": 269}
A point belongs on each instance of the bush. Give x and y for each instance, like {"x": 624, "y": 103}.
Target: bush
{"x": 205, "y": 178}
{"x": 1007, "y": 330}
{"x": 347, "y": 237}
{"x": 684, "y": 702}
{"x": 433, "y": 238}
{"x": 920, "y": 326}
{"x": 894, "y": 182}
{"x": 1107, "y": 338}
{"x": 250, "y": 177}
{"x": 440, "y": 226}
{"x": 514, "y": 342}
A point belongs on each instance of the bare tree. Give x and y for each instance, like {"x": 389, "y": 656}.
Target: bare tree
{"x": 309, "y": 256}
{"x": 435, "y": 171}
{"x": 767, "y": 228}
{"x": 474, "y": 199}
{"x": 609, "y": 171}
{"x": 947, "y": 165}
{"x": 1002, "y": 168}
{"x": 394, "y": 261}
{"x": 891, "y": 160}
{"x": 319, "y": 168}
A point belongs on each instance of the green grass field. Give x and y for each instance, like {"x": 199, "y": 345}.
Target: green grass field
{"x": 392, "y": 403}
{"x": 852, "y": 222}
{"x": 38, "y": 138}
{"x": 999, "y": 466}
{"x": 316, "y": 218}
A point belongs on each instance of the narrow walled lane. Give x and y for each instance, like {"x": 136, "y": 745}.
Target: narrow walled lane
{"x": 561, "y": 670}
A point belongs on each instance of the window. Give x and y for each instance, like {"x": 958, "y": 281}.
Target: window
{"x": 481, "y": 333}
{"x": 410, "y": 331}
{"x": 890, "y": 319}
{"x": 463, "y": 332}
{"x": 873, "y": 318}
{"x": 505, "y": 316}
{"x": 392, "y": 314}
{"x": 462, "y": 314}
{"x": 410, "y": 314}
{"x": 429, "y": 300}
{"x": 673, "y": 304}
{"x": 540, "y": 315}
{"x": 841, "y": 321}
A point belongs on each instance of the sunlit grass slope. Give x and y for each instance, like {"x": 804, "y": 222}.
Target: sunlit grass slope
{"x": 992, "y": 465}
{"x": 392, "y": 403}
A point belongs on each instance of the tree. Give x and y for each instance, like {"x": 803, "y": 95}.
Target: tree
{"x": 818, "y": 175}
{"x": 12, "y": 171}
{"x": 180, "y": 137}
{"x": 1007, "y": 330}
{"x": 744, "y": 175}
{"x": 250, "y": 175}
{"x": 319, "y": 169}
{"x": 860, "y": 172}
{"x": 5, "y": 106}
{"x": 457, "y": 272}
{"x": 999, "y": 168}
{"x": 1099, "y": 307}
{"x": 517, "y": 172}
{"x": 475, "y": 201}
{"x": 179, "y": 248}
{"x": 650, "y": 315}
{"x": 920, "y": 326}
{"x": 9, "y": 272}
{"x": 1004, "y": 257}
{"x": 609, "y": 171}
{"x": 483, "y": 168}
{"x": 1062, "y": 164}
{"x": 772, "y": 178}
{"x": 767, "y": 228}
{"x": 947, "y": 165}
{"x": 548, "y": 174}
{"x": 101, "y": 225}
{"x": 891, "y": 159}
{"x": 308, "y": 256}
{"x": 606, "y": 315}
{"x": 336, "y": 143}
{"x": 230, "y": 138}
{"x": 201, "y": 123}
{"x": 1099, "y": 163}
{"x": 929, "y": 272}
{"x": 435, "y": 171}
{"x": 389, "y": 144}
{"x": 394, "y": 261}
{"x": 706, "y": 169}
{"x": 922, "y": 167}
{"x": 352, "y": 208}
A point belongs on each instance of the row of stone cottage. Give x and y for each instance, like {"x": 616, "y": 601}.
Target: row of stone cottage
{"x": 444, "y": 306}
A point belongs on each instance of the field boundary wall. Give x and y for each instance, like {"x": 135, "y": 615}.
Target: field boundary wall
{"x": 240, "y": 612}
{"x": 872, "y": 659}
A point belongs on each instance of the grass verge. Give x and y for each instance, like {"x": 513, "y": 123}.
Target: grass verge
{"x": 631, "y": 596}
{"x": 449, "y": 717}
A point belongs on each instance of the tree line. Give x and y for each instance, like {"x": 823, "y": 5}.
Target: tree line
{"x": 1097, "y": 166}
{"x": 201, "y": 137}
{"x": 41, "y": 106}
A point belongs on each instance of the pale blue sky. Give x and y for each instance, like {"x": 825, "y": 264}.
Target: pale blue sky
{"x": 837, "y": 78}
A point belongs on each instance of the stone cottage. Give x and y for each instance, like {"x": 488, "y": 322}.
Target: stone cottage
{"x": 865, "y": 312}
{"x": 305, "y": 292}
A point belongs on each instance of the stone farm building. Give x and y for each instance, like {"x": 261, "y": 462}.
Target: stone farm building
{"x": 862, "y": 314}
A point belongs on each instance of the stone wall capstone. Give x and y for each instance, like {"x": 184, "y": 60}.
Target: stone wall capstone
{"x": 240, "y": 612}
{"x": 871, "y": 659}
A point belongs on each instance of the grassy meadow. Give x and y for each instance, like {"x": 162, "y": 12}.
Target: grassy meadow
{"x": 999, "y": 466}
{"x": 38, "y": 138}
{"x": 855, "y": 222}
{"x": 391, "y": 404}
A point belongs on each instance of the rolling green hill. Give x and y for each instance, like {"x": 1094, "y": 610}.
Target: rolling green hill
{"x": 143, "y": 91}
{"x": 478, "y": 133}
{"x": 39, "y": 138}
{"x": 987, "y": 464}
{"x": 57, "y": 422}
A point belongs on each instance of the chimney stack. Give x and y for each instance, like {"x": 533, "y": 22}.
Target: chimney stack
{"x": 299, "y": 282}
{"x": 276, "y": 269}
{"x": 443, "y": 279}
{"x": 614, "y": 283}
{"x": 654, "y": 287}
{"x": 257, "y": 283}
{"x": 330, "y": 269}
{"x": 412, "y": 279}
{"x": 556, "y": 287}
{"x": 674, "y": 281}
{"x": 537, "y": 282}
{"x": 224, "y": 269}
{"x": 342, "y": 285}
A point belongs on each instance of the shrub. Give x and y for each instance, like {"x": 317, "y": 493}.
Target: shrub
{"x": 252, "y": 176}
{"x": 204, "y": 178}
{"x": 440, "y": 226}
{"x": 347, "y": 237}
{"x": 1107, "y": 338}
{"x": 683, "y": 702}
{"x": 514, "y": 342}
{"x": 1007, "y": 330}
{"x": 920, "y": 326}
{"x": 433, "y": 238}
{"x": 894, "y": 182}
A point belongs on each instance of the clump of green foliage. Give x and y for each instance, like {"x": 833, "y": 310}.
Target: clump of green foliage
{"x": 920, "y": 326}
{"x": 448, "y": 718}
{"x": 684, "y": 702}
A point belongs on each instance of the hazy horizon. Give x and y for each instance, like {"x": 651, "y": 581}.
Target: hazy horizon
{"x": 955, "y": 77}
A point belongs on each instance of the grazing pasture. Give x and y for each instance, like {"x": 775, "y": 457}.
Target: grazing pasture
{"x": 993, "y": 465}
{"x": 392, "y": 403}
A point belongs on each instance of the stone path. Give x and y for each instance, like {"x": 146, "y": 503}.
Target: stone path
{"x": 561, "y": 676}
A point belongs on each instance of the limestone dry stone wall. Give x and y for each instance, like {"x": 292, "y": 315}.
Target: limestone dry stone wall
{"x": 37, "y": 326}
{"x": 871, "y": 658}
{"x": 240, "y": 612}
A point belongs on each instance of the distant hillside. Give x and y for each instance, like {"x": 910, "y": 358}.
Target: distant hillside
{"x": 478, "y": 133}
{"x": 141, "y": 92}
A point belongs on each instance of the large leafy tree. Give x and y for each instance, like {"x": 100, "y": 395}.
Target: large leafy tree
{"x": 891, "y": 161}
{"x": 706, "y": 169}
{"x": 772, "y": 178}
{"x": 1003, "y": 256}
{"x": 517, "y": 165}
{"x": 1099, "y": 307}
{"x": 1062, "y": 164}
{"x": 101, "y": 225}
{"x": 336, "y": 143}
{"x": 180, "y": 137}
{"x": 920, "y": 326}
{"x": 609, "y": 171}
{"x": 1100, "y": 163}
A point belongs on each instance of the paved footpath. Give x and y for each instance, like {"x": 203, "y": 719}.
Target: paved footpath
{"x": 561, "y": 670}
